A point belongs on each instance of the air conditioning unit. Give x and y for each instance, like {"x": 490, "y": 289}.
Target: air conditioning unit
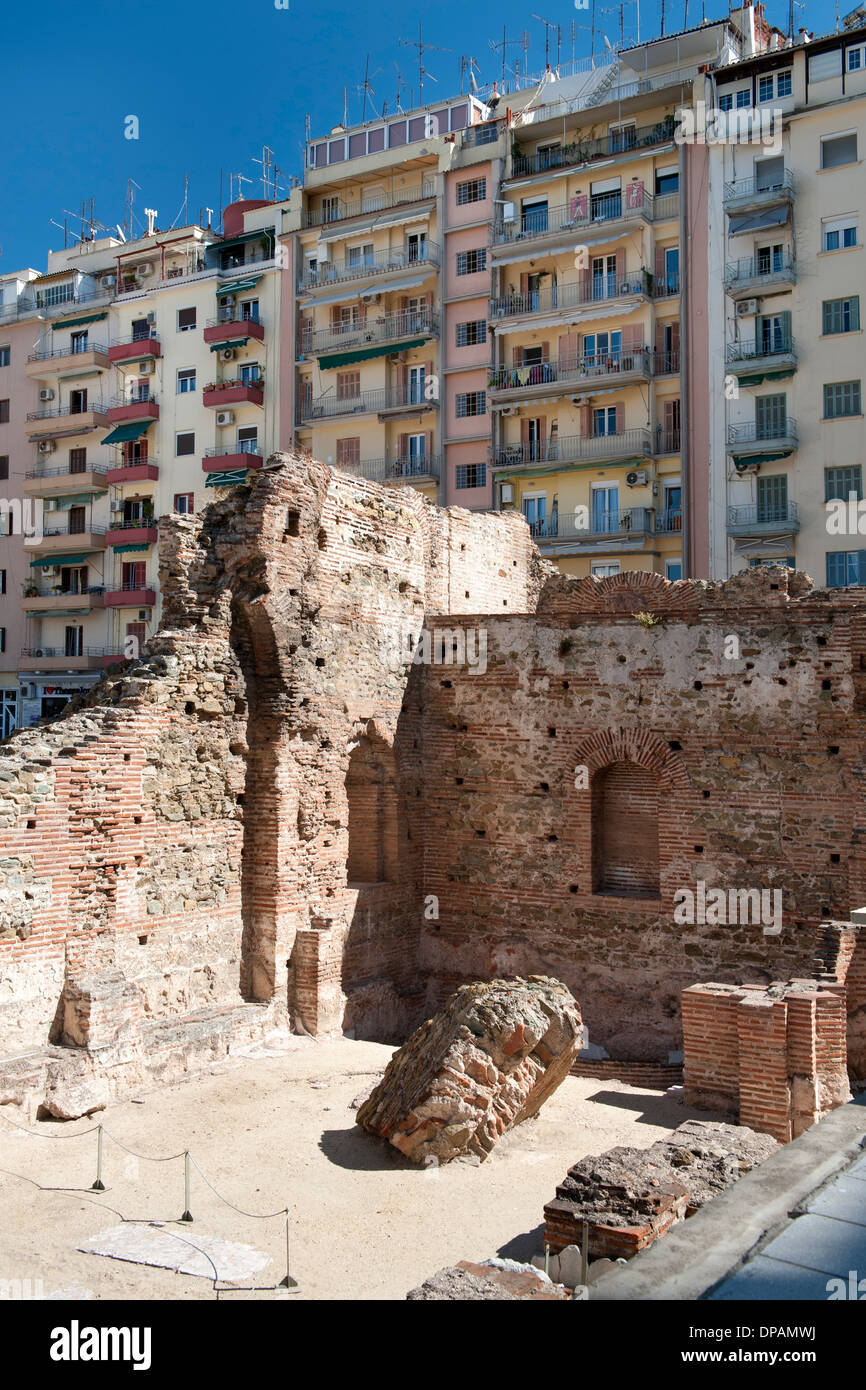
{"x": 639, "y": 477}
{"x": 146, "y": 368}
{"x": 47, "y": 446}
{"x": 745, "y": 307}
{"x": 398, "y": 357}
{"x": 506, "y": 410}
{"x": 51, "y": 505}
{"x": 507, "y": 493}
{"x": 225, "y": 417}
{"x": 47, "y": 393}
{"x": 107, "y": 282}
{"x": 144, "y": 615}
{"x": 151, "y": 318}
{"x": 509, "y": 212}
{"x": 227, "y": 355}
{"x": 143, "y": 270}
{"x": 38, "y": 651}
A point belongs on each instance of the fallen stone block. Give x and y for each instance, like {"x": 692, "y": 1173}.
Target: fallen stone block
{"x": 473, "y": 1282}
{"x": 488, "y": 1061}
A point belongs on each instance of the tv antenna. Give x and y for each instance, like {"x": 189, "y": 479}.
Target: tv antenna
{"x": 423, "y": 48}
{"x": 506, "y": 43}
{"x": 268, "y": 178}
{"x": 468, "y": 67}
{"x": 366, "y": 89}
{"x": 548, "y": 25}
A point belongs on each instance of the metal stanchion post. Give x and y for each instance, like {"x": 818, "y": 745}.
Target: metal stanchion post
{"x": 187, "y": 1214}
{"x": 288, "y": 1282}
{"x": 99, "y": 1185}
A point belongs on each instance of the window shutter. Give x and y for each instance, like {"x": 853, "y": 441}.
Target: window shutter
{"x": 404, "y": 303}
{"x": 569, "y": 350}
{"x": 632, "y": 338}
{"x": 786, "y": 325}
{"x": 524, "y": 284}
{"x": 620, "y": 266}
{"x": 428, "y": 442}
{"x": 402, "y": 446}
{"x": 586, "y": 421}
{"x": 584, "y": 280}
{"x": 542, "y": 434}
{"x": 620, "y": 419}
{"x": 524, "y": 433}
{"x": 660, "y": 337}
{"x": 515, "y": 357}
{"x": 545, "y": 352}
{"x": 675, "y": 336}
{"x": 335, "y": 318}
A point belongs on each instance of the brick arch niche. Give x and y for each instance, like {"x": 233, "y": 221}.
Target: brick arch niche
{"x": 371, "y": 794}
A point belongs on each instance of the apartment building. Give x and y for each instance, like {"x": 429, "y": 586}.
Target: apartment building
{"x": 150, "y": 376}
{"x": 787, "y": 271}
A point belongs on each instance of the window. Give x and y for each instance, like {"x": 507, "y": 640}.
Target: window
{"x": 845, "y": 568}
{"x": 769, "y": 173}
{"x": 348, "y": 451}
{"x": 765, "y": 88}
{"x": 771, "y": 414}
{"x": 841, "y": 398}
{"x": 856, "y": 59}
{"x": 74, "y": 641}
{"x": 184, "y": 503}
{"x": 622, "y": 137}
{"x": 185, "y": 320}
{"x": 783, "y": 84}
{"x": 841, "y": 481}
{"x": 2, "y": 581}
{"x": 824, "y": 65}
{"x": 78, "y": 460}
{"x": 348, "y": 385}
{"x": 4, "y": 357}
{"x": 604, "y": 421}
{"x": 184, "y": 443}
{"x": 250, "y": 311}
{"x": 838, "y": 149}
{"x": 473, "y": 191}
{"x": 842, "y": 315}
{"x": 726, "y": 101}
{"x": 744, "y": 98}
{"x": 839, "y": 232}
{"x": 185, "y": 381}
{"x": 667, "y": 180}
{"x": 4, "y": 412}
{"x": 470, "y": 262}
{"x": 471, "y": 333}
{"x": 549, "y": 156}
{"x": 604, "y": 569}
{"x": 360, "y": 255}
{"x": 141, "y": 330}
{"x": 331, "y": 209}
{"x": 772, "y": 498}
{"x": 134, "y": 575}
{"x": 79, "y": 341}
{"x": 533, "y": 216}
{"x": 673, "y": 569}
{"x": 2, "y": 638}
{"x": 250, "y": 374}
{"x": 4, "y": 465}
{"x": 416, "y": 247}
{"x": 55, "y": 294}
{"x": 471, "y": 403}
{"x": 248, "y": 439}
{"x": 471, "y": 475}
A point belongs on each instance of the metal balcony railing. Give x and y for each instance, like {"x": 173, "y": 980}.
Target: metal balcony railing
{"x": 130, "y": 339}
{"x": 133, "y": 523}
{"x": 635, "y": 521}
{"x": 389, "y": 328}
{"x": 670, "y": 521}
{"x": 766, "y": 268}
{"x": 339, "y": 211}
{"x": 380, "y": 470}
{"x": 572, "y": 295}
{"x": 764, "y": 514}
{"x": 484, "y": 134}
{"x": 78, "y": 297}
{"x": 585, "y": 151}
{"x": 571, "y": 369}
{"x": 52, "y": 412}
{"x": 74, "y": 591}
{"x": 67, "y": 471}
{"x": 88, "y": 529}
{"x": 667, "y": 441}
{"x": 380, "y": 263}
{"x": 232, "y": 316}
{"x": 759, "y": 186}
{"x": 368, "y": 402}
{"x": 244, "y": 446}
{"x": 575, "y": 448}
{"x": 142, "y": 396}
{"x": 756, "y": 348}
{"x": 587, "y": 210}
{"x": 66, "y": 352}
{"x": 36, "y": 652}
{"x": 784, "y": 427}
{"x": 130, "y": 586}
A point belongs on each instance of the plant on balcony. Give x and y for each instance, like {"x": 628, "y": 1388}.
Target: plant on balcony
{"x": 31, "y": 590}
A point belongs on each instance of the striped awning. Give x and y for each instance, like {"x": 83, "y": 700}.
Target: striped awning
{"x": 76, "y": 323}
{"x": 343, "y": 359}
{"x": 238, "y": 286}
{"x": 125, "y": 549}
{"x": 232, "y": 478}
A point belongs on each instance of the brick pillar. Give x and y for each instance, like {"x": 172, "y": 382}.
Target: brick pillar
{"x": 765, "y": 1095}
{"x": 710, "y": 1047}
{"x": 831, "y": 1051}
{"x": 316, "y": 999}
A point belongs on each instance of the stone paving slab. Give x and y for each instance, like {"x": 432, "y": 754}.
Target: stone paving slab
{"x": 845, "y": 1199}
{"x": 821, "y": 1243}
{"x": 193, "y": 1253}
{"x": 763, "y": 1278}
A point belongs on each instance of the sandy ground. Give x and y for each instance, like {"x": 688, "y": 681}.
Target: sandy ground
{"x": 274, "y": 1128}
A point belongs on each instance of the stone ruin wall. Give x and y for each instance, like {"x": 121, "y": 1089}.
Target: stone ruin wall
{"x": 189, "y": 828}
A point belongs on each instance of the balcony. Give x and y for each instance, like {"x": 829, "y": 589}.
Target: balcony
{"x": 74, "y": 298}
{"x": 128, "y": 596}
{"x": 669, "y": 523}
{"x": 754, "y": 359}
{"x": 69, "y": 601}
{"x": 764, "y": 519}
{"x": 62, "y": 537}
{"x": 615, "y": 212}
{"x": 130, "y": 348}
{"x": 140, "y": 405}
{"x": 380, "y": 266}
{"x": 756, "y": 443}
{"x": 604, "y": 529}
{"x": 60, "y": 421}
{"x": 339, "y": 211}
{"x": 55, "y": 482}
{"x": 760, "y": 275}
{"x": 229, "y": 330}
{"x": 56, "y": 361}
{"x": 521, "y": 381}
{"x": 140, "y": 530}
{"x": 667, "y": 441}
{"x": 577, "y": 152}
{"x": 426, "y": 469}
{"x": 389, "y": 400}
{"x": 577, "y": 448}
{"x": 227, "y": 460}
{"x": 576, "y": 295}
{"x": 220, "y": 394}
{"x": 56, "y": 659}
{"x": 365, "y": 339}
{"x": 130, "y": 471}
{"x": 758, "y": 193}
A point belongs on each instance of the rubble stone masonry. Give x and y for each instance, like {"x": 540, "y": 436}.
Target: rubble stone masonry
{"x": 277, "y": 808}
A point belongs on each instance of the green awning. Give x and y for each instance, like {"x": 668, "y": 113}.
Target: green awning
{"x": 238, "y": 286}
{"x": 229, "y": 343}
{"x": 122, "y": 434}
{"x": 746, "y": 460}
{"x": 758, "y": 377}
{"x": 342, "y": 359}
{"x": 76, "y": 323}
{"x": 230, "y": 479}
{"x": 75, "y": 499}
{"x": 45, "y": 560}
{"x": 124, "y": 549}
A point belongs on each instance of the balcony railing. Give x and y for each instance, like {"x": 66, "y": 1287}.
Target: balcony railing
{"x": 244, "y": 446}
{"x": 338, "y": 211}
{"x": 67, "y": 352}
{"x": 380, "y": 263}
{"x": 75, "y": 591}
{"x": 667, "y": 441}
{"x": 764, "y": 269}
{"x": 754, "y": 349}
{"x": 759, "y": 515}
{"x": 231, "y": 316}
{"x": 390, "y": 328}
{"x": 368, "y": 402}
{"x": 77, "y": 530}
{"x": 381, "y": 470}
{"x": 484, "y": 134}
{"x": 587, "y": 210}
{"x": 67, "y": 471}
{"x": 569, "y": 369}
{"x": 53, "y": 412}
{"x": 576, "y": 448}
{"x": 765, "y": 431}
{"x": 570, "y": 296}
{"x": 78, "y": 297}
{"x": 760, "y": 187}
{"x": 134, "y": 523}
{"x": 52, "y": 652}
{"x": 585, "y": 151}
{"x": 670, "y": 521}
{"x": 629, "y": 521}
{"x": 141, "y": 396}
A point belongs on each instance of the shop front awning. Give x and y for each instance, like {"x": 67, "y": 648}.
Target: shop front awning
{"x": 125, "y": 549}
{"x": 232, "y": 478}
{"x": 46, "y": 561}
{"x": 343, "y": 359}
{"x": 238, "y": 286}
{"x": 229, "y": 343}
{"x": 123, "y": 434}
{"x": 77, "y": 323}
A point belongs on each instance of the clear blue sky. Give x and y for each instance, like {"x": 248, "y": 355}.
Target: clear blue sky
{"x": 211, "y": 83}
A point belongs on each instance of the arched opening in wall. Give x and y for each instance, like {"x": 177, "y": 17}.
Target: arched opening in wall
{"x": 625, "y": 831}
{"x": 371, "y": 792}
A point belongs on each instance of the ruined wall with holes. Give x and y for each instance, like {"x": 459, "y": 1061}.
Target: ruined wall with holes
{"x": 743, "y": 771}
{"x": 188, "y": 825}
